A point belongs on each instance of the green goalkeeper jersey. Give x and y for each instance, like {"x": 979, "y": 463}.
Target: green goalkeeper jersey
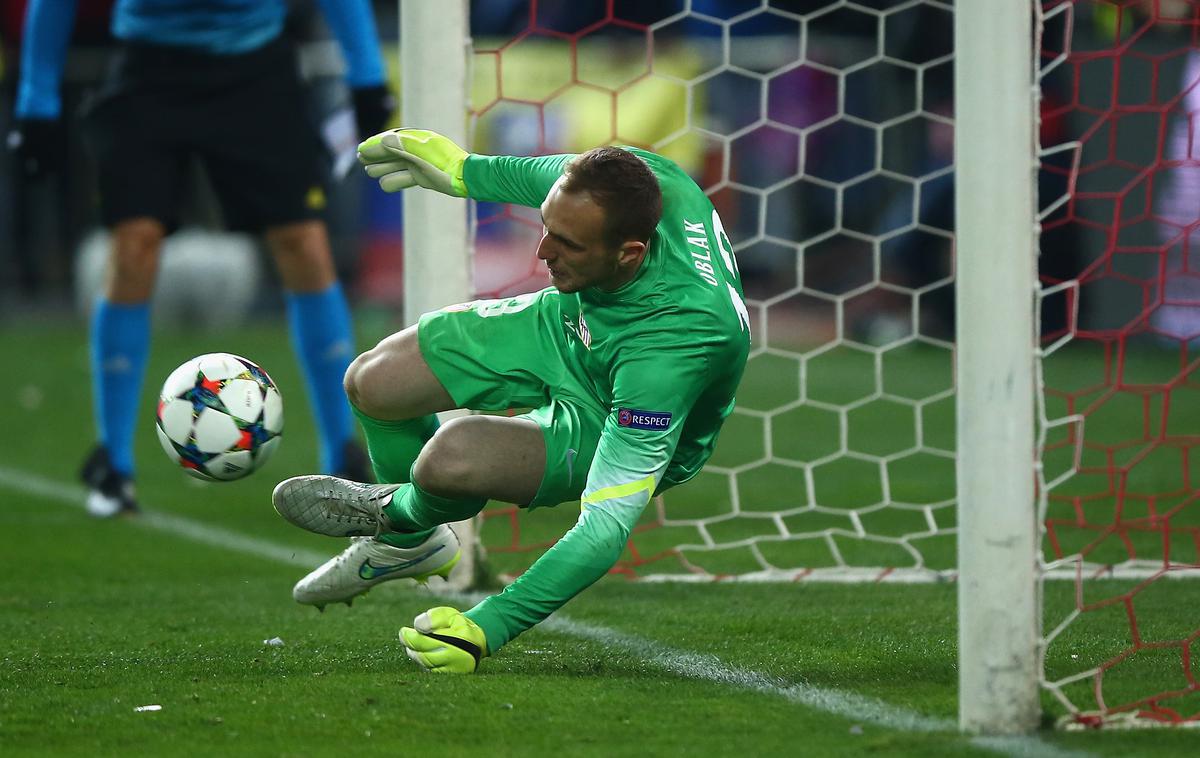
{"x": 663, "y": 353}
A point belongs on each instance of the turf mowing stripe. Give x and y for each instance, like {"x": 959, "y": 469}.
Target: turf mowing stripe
{"x": 699, "y": 666}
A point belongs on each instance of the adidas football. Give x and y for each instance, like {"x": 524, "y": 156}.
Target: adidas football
{"x": 219, "y": 416}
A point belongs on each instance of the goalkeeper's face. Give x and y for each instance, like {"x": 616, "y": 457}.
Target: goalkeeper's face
{"x": 573, "y": 245}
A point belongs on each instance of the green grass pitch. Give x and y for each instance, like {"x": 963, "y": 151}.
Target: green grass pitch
{"x": 100, "y": 618}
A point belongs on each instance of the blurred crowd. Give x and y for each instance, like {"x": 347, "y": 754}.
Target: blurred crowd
{"x": 875, "y": 162}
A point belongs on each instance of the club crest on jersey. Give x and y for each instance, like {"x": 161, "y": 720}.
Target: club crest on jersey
{"x": 650, "y": 420}
{"x": 585, "y": 334}
{"x": 580, "y": 330}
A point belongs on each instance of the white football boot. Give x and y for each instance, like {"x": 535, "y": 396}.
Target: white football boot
{"x": 341, "y": 508}
{"x": 368, "y": 562}
{"x": 333, "y": 506}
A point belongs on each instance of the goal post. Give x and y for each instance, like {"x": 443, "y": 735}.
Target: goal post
{"x": 435, "y": 47}
{"x": 996, "y": 240}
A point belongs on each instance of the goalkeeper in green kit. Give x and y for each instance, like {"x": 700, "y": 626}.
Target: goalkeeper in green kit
{"x": 629, "y": 362}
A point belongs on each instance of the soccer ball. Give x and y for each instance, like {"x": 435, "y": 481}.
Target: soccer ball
{"x": 219, "y": 416}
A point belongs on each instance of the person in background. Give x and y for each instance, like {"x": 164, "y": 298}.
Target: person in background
{"x": 1177, "y": 316}
{"x": 216, "y": 83}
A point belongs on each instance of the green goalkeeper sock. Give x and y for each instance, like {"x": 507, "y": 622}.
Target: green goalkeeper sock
{"x": 414, "y": 513}
{"x": 394, "y": 445}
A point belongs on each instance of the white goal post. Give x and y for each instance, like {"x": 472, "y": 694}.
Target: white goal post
{"x": 435, "y": 47}
{"x": 996, "y": 240}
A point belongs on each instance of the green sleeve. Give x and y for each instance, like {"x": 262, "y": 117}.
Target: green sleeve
{"x": 511, "y": 179}
{"x": 582, "y": 556}
{"x": 628, "y": 465}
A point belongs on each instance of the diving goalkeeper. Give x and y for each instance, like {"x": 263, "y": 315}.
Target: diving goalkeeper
{"x": 629, "y": 362}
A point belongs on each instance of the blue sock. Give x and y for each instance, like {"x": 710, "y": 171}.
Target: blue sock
{"x": 323, "y": 338}
{"x": 119, "y": 343}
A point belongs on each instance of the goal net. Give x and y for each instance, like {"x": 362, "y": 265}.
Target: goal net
{"x": 823, "y": 132}
{"x": 1119, "y": 406}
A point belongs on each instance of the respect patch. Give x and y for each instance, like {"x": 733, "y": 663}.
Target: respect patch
{"x": 635, "y": 419}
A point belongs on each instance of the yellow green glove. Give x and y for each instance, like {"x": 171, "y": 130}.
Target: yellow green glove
{"x": 403, "y": 158}
{"x": 445, "y": 641}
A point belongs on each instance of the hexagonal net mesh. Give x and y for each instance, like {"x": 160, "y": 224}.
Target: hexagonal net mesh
{"x": 821, "y": 130}
{"x": 1120, "y": 403}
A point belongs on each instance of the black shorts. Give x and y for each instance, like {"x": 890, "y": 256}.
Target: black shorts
{"x": 243, "y": 117}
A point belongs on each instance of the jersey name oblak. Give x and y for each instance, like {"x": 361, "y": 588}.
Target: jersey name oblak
{"x": 697, "y": 236}
{"x": 698, "y": 246}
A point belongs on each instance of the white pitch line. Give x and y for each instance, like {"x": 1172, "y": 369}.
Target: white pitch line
{"x": 196, "y": 531}
{"x": 848, "y": 705}
{"x": 711, "y": 668}
{"x": 224, "y": 538}
{"x": 699, "y": 666}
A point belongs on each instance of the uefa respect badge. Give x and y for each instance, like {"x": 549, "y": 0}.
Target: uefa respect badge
{"x": 650, "y": 420}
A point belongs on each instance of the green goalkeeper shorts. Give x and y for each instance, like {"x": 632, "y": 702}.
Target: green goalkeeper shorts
{"x": 512, "y": 353}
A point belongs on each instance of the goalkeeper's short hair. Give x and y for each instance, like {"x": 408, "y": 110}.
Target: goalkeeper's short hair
{"x": 623, "y": 186}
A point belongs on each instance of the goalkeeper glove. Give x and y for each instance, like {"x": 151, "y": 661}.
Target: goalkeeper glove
{"x": 445, "y": 641}
{"x": 402, "y": 158}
